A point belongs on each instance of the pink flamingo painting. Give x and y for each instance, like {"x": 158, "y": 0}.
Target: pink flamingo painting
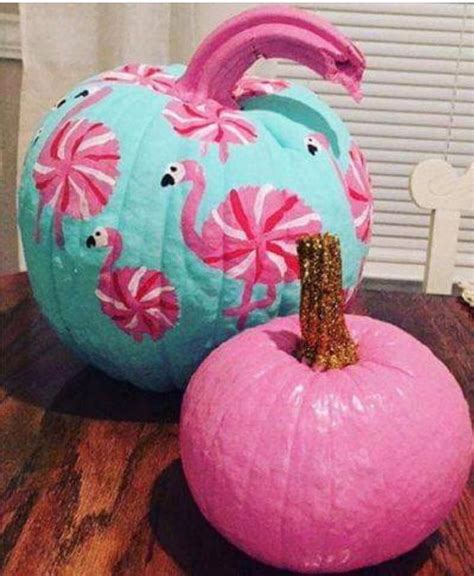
{"x": 210, "y": 123}
{"x": 356, "y": 183}
{"x": 76, "y": 170}
{"x": 251, "y": 86}
{"x": 139, "y": 301}
{"x": 251, "y": 236}
{"x": 152, "y": 77}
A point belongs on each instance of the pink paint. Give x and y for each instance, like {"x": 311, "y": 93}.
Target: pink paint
{"x": 77, "y": 168}
{"x": 140, "y": 301}
{"x": 209, "y": 122}
{"x": 251, "y": 235}
{"x": 152, "y": 77}
{"x": 325, "y": 471}
{"x": 269, "y": 32}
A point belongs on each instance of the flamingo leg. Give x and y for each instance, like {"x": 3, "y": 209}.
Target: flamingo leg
{"x": 246, "y": 306}
{"x": 264, "y": 302}
{"x": 37, "y": 233}
{"x": 240, "y": 310}
{"x": 58, "y": 228}
{"x": 223, "y": 152}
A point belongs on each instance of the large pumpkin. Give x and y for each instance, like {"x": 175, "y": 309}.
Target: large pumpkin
{"x": 160, "y": 206}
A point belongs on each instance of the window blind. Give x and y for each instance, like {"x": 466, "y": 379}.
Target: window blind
{"x": 418, "y": 104}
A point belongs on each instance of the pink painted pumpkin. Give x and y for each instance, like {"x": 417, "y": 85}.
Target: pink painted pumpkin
{"x": 325, "y": 470}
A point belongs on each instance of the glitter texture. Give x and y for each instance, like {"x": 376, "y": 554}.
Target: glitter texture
{"x": 326, "y": 342}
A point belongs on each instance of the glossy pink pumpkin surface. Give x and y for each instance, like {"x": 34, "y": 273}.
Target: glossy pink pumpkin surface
{"x": 325, "y": 471}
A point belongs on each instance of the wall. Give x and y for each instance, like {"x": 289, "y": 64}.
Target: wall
{"x": 10, "y": 86}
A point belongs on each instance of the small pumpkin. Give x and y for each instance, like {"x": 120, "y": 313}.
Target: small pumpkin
{"x": 327, "y": 449}
{"x": 200, "y": 178}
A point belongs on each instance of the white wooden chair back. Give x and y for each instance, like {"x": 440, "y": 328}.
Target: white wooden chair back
{"x": 435, "y": 185}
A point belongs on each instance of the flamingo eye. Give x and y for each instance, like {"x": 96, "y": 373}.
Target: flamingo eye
{"x": 175, "y": 173}
{"x": 98, "y": 239}
{"x": 313, "y": 145}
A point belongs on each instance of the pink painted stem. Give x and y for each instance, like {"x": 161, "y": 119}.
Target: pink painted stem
{"x": 269, "y": 32}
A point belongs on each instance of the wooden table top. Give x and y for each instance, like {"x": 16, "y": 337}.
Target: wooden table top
{"x": 90, "y": 477}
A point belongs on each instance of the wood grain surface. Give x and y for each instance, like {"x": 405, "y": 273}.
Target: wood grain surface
{"x": 90, "y": 477}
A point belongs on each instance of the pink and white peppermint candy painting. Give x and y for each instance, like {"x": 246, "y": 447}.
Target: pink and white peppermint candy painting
{"x": 140, "y": 301}
{"x": 260, "y": 226}
{"x": 359, "y": 191}
{"x": 210, "y": 123}
{"x": 76, "y": 172}
{"x": 152, "y": 77}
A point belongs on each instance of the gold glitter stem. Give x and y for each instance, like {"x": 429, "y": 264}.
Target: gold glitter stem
{"x": 326, "y": 341}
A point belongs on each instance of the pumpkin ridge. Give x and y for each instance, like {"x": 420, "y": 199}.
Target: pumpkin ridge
{"x": 278, "y": 393}
{"x": 289, "y": 477}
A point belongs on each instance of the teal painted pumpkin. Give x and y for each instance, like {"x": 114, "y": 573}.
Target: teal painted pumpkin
{"x": 160, "y": 206}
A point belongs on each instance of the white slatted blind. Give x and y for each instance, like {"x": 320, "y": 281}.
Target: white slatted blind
{"x": 418, "y": 104}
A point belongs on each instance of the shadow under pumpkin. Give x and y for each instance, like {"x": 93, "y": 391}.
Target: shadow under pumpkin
{"x": 183, "y": 533}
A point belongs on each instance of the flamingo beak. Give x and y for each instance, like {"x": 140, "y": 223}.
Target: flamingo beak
{"x": 167, "y": 180}
{"x": 312, "y": 149}
{"x": 90, "y": 242}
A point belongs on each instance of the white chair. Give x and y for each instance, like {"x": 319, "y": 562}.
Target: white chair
{"x": 435, "y": 185}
